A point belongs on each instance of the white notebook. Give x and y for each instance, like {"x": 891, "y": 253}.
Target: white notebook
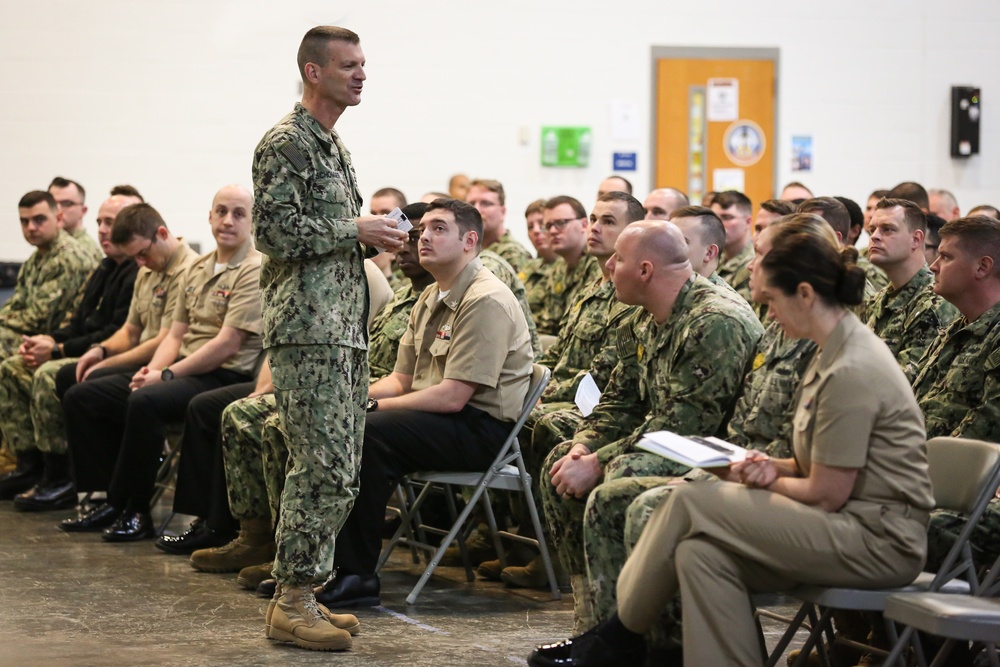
{"x": 692, "y": 451}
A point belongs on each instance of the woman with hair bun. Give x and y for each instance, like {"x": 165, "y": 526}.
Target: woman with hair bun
{"x": 850, "y": 509}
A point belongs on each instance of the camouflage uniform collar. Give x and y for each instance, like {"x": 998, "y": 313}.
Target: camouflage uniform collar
{"x": 983, "y": 325}
{"x": 681, "y": 305}
{"x": 742, "y": 257}
{"x": 462, "y": 282}
{"x": 61, "y": 239}
{"x": 328, "y": 138}
{"x": 889, "y": 301}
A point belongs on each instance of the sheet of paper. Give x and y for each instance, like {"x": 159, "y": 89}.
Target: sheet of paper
{"x": 728, "y": 179}
{"x": 723, "y": 99}
{"x": 587, "y": 395}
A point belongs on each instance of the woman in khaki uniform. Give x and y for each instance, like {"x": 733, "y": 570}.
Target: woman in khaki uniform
{"x": 849, "y": 510}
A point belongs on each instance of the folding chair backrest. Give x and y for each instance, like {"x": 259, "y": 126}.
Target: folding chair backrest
{"x": 960, "y": 470}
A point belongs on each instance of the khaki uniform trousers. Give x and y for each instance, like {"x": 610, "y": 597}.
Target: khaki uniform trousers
{"x": 717, "y": 543}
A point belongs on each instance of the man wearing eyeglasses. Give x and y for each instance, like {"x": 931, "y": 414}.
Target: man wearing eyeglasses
{"x": 488, "y": 197}
{"x": 565, "y": 221}
{"x": 70, "y": 197}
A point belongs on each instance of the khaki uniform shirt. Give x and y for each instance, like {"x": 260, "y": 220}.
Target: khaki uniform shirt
{"x": 856, "y": 410}
{"x": 211, "y": 300}
{"x": 475, "y": 334}
{"x": 502, "y": 269}
{"x": 155, "y": 293}
{"x": 909, "y": 320}
{"x": 958, "y": 386}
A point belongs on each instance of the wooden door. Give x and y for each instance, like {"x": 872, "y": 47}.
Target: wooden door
{"x": 715, "y": 126}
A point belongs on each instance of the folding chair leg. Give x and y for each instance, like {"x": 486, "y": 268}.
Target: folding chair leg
{"x": 449, "y": 538}
{"x": 491, "y": 521}
{"x": 550, "y": 571}
{"x": 789, "y": 635}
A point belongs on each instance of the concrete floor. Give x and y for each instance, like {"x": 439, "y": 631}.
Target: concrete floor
{"x": 71, "y": 599}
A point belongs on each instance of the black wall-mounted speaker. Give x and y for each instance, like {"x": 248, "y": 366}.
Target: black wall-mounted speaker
{"x": 966, "y": 109}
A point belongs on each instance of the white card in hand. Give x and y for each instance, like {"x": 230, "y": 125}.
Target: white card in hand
{"x": 403, "y": 223}
{"x": 587, "y": 395}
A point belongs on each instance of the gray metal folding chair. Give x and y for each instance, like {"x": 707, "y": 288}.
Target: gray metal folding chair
{"x": 965, "y": 475}
{"x": 507, "y": 472}
{"x": 969, "y": 618}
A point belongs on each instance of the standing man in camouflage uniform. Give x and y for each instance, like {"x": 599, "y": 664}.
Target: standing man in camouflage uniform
{"x": 906, "y": 314}
{"x": 566, "y": 225}
{"x": 49, "y": 280}
{"x": 70, "y": 198}
{"x": 736, "y": 212}
{"x": 490, "y": 200}
{"x": 307, "y": 224}
{"x": 671, "y": 376}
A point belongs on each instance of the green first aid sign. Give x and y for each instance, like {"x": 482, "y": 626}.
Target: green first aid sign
{"x": 566, "y": 146}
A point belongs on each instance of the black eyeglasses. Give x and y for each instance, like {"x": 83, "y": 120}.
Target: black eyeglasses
{"x": 558, "y": 224}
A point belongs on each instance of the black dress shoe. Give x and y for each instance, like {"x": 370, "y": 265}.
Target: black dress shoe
{"x": 586, "y": 650}
{"x": 266, "y": 588}
{"x": 129, "y": 527}
{"x": 350, "y": 590}
{"x": 197, "y": 536}
{"x": 46, "y": 496}
{"x": 96, "y": 519}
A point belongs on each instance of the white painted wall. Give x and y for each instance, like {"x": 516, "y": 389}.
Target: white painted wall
{"x": 172, "y": 96}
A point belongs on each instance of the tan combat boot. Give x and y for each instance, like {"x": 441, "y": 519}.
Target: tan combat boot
{"x": 251, "y": 576}
{"x": 294, "y": 616}
{"x": 254, "y": 545}
{"x": 347, "y": 622}
{"x": 531, "y": 575}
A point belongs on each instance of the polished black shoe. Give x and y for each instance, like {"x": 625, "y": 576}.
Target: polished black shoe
{"x": 47, "y": 496}
{"x": 266, "y": 588}
{"x": 197, "y": 536}
{"x": 350, "y": 590}
{"x": 129, "y": 527}
{"x": 586, "y": 650}
{"x": 96, "y": 519}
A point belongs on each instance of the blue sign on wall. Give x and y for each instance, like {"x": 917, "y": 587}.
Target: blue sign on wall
{"x": 623, "y": 162}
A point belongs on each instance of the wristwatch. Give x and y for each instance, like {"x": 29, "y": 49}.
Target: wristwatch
{"x": 104, "y": 350}
{"x": 56, "y": 352}
{"x": 372, "y": 405}
{"x": 166, "y": 375}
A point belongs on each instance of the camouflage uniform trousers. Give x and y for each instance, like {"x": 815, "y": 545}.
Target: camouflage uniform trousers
{"x": 945, "y": 527}
{"x": 320, "y": 392}
{"x": 243, "y": 451}
{"x": 31, "y": 415}
{"x": 564, "y": 517}
{"x": 10, "y": 342}
{"x": 616, "y": 513}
